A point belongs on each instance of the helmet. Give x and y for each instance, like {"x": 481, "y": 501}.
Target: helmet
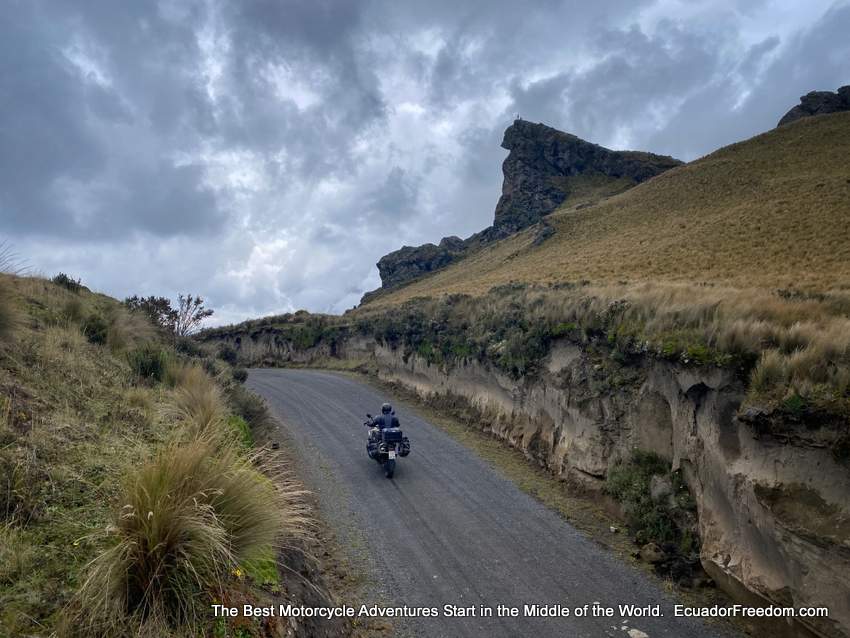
{"x": 386, "y": 408}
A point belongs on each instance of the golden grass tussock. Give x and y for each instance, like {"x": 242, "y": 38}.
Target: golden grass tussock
{"x": 196, "y": 401}
{"x": 127, "y": 329}
{"x": 188, "y": 519}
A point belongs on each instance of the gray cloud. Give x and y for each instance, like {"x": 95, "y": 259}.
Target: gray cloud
{"x": 266, "y": 153}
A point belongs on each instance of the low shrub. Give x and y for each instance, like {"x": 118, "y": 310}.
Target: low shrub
{"x": 240, "y": 375}
{"x": 189, "y": 347}
{"x": 629, "y": 483}
{"x": 227, "y": 353}
{"x": 95, "y": 329}
{"x": 149, "y": 361}
{"x": 67, "y": 282}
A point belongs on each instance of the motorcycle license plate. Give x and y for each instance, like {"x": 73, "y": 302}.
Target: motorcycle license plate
{"x": 391, "y": 454}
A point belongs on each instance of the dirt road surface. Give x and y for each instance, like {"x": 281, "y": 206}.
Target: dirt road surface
{"x": 448, "y": 529}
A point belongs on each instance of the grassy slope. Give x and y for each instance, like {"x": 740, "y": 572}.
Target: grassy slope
{"x": 76, "y": 425}
{"x": 769, "y": 212}
{"x": 70, "y": 423}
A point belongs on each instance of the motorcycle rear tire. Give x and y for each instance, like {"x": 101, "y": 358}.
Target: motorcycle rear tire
{"x": 389, "y": 468}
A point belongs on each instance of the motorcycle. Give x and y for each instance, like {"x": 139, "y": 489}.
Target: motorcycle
{"x": 385, "y": 446}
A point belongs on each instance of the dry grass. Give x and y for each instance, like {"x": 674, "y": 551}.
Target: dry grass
{"x": 81, "y": 432}
{"x": 9, "y": 315}
{"x": 127, "y": 329}
{"x": 769, "y": 212}
{"x": 197, "y": 401}
{"x": 190, "y": 517}
{"x": 798, "y": 345}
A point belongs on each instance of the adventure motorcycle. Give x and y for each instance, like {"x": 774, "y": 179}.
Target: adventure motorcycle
{"x": 385, "y": 446}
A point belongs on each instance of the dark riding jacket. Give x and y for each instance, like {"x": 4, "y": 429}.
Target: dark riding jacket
{"x": 385, "y": 421}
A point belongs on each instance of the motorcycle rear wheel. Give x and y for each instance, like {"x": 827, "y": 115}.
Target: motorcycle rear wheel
{"x": 389, "y": 468}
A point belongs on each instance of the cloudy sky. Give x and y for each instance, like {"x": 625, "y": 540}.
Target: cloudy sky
{"x": 266, "y": 153}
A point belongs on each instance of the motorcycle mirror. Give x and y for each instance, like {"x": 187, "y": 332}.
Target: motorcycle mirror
{"x": 368, "y": 416}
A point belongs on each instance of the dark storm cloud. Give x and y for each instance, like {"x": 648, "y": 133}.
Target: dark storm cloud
{"x": 84, "y": 155}
{"x": 266, "y": 152}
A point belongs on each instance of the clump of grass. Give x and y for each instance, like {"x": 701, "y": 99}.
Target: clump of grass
{"x": 16, "y": 555}
{"x": 241, "y": 430}
{"x": 73, "y": 311}
{"x": 127, "y": 329}
{"x": 771, "y": 370}
{"x": 187, "y": 519}
{"x": 197, "y": 401}
{"x": 148, "y": 361}
{"x": 9, "y": 316}
{"x": 250, "y": 407}
{"x": 10, "y": 261}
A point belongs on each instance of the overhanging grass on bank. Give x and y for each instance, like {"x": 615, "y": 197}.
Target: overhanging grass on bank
{"x": 792, "y": 349}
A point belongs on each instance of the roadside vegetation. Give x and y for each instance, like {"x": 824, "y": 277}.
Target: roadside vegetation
{"x": 792, "y": 349}
{"x": 660, "y": 513}
{"x": 131, "y": 494}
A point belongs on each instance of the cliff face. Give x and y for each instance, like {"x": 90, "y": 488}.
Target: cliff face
{"x": 819, "y": 103}
{"x": 541, "y": 162}
{"x": 543, "y": 170}
{"x": 410, "y": 262}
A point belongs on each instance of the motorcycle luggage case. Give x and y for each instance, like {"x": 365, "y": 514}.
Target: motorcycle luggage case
{"x": 405, "y": 447}
{"x": 391, "y": 435}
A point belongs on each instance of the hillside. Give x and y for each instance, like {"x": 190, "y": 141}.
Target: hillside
{"x": 545, "y": 168}
{"x": 130, "y": 495}
{"x": 768, "y": 212}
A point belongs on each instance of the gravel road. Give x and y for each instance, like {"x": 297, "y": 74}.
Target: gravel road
{"x": 449, "y": 529}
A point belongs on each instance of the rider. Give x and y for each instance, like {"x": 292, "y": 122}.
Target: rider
{"x": 387, "y": 419}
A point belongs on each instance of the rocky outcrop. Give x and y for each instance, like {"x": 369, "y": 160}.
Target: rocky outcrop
{"x": 410, "y": 262}
{"x": 541, "y": 162}
{"x": 819, "y": 103}
{"x": 544, "y": 169}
